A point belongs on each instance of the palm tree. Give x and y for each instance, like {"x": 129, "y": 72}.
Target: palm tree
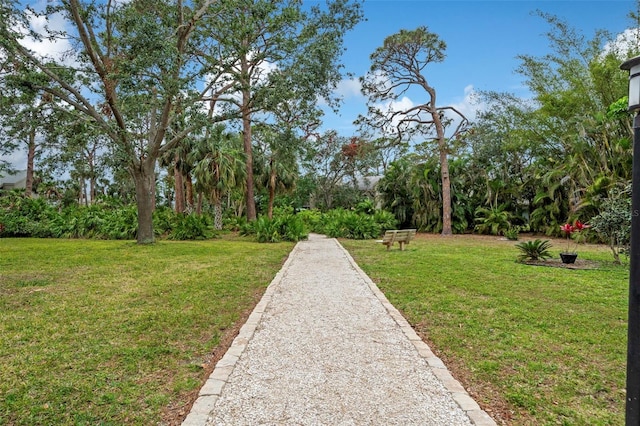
{"x": 276, "y": 163}
{"x": 220, "y": 167}
{"x": 179, "y": 164}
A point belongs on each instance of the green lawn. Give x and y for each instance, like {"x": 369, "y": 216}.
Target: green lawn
{"x": 534, "y": 345}
{"x": 111, "y": 333}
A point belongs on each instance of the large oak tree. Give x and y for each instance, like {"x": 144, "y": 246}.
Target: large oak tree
{"x": 138, "y": 67}
{"x": 282, "y": 58}
{"x": 129, "y": 64}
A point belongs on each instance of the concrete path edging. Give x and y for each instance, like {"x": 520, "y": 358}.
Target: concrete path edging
{"x": 212, "y": 388}
{"x": 477, "y": 415}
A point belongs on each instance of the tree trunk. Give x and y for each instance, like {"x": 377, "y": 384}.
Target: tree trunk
{"x": 246, "y": 132}
{"x": 179, "y": 189}
{"x": 199, "y": 204}
{"x": 144, "y": 177}
{"x": 272, "y": 190}
{"x": 189, "y": 192}
{"x": 444, "y": 173}
{"x": 217, "y": 214}
{"x": 31, "y": 154}
{"x": 92, "y": 189}
{"x": 248, "y": 150}
{"x": 83, "y": 190}
{"x": 92, "y": 177}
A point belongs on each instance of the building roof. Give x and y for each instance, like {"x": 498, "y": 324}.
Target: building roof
{"x": 367, "y": 183}
{"x": 13, "y": 180}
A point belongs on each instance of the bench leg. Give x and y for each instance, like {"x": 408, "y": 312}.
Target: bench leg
{"x": 401, "y": 245}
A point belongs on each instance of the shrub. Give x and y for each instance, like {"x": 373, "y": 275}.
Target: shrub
{"x": 511, "y": 234}
{"x": 191, "y": 227}
{"x": 313, "y": 219}
{"x": 365, "y": 207}
{"x": 285, "y": 227}
{"x": 121, "y": 223}
{"x": 534, "y": 250}
{"x": 385, "y": 219}
{"x": 348, "y": 224}
{"x": 25, "y": 217}
{"x": 613, "y": 224}
{"x": 163, "y": 218}
{"x": 293, "y": 228}
{"x": 234, "y": 223}
{"x": 494, "y": 220}
{"x": 266, "y": 230}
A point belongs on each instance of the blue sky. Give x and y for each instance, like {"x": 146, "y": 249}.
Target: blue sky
{"x": 483, "y": 40}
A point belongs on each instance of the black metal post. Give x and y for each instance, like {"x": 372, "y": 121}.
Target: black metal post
{"x": 633, "y": 333}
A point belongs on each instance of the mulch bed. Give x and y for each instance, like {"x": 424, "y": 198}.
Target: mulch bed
{"x": 557, "y": 263}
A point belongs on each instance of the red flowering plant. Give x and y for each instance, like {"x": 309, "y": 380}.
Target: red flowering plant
{"x": 573, "y": 232}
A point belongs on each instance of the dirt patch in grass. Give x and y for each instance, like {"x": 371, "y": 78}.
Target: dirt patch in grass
{"x": 557, "y": 263}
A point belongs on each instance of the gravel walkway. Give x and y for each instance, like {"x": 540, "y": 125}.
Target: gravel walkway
{"x": 325, "y": 347}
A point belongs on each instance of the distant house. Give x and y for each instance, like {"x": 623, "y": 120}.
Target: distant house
{"x": 368, "y": 185}
{"x": 17, "y": 180}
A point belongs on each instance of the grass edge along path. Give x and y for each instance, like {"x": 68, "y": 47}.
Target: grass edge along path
{"x": 533, "y": 345}
{"x": 112, "y": 333}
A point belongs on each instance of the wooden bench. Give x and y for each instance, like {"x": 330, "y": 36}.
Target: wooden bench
{"x": 400, "y": 236}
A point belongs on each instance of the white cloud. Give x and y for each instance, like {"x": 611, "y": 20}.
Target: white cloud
{"x": 401, "y": 105}
{"x": 349, "y": 88}
{"x": 469, "y": 105}
{"x": 345, "y": 89}
{"x": 17, "y": 159}
{"x": 50, "y": 48}
{"x": 625, "y": 44}
{"x": 393, "y": 106}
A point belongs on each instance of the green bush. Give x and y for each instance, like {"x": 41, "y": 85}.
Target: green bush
{"x": 494, "y": 220}
{"x": 363, "y": 222}
{"x": 313, "y": 220}
{"x": 293, "y": 228}
{"x": 86, "y": 222}
{"x": 108, "y": 218}
{"x": 285, "y": 227}
{"x": 365, "y": 207}
{"x": 349, "y": 224}
{"x": 25, "y": 217}
{"x": 163, "y": 218}
{"x": 512, "y": 233}
{"x": 121, "y": 224}
{"x": 234, "y": 223}
{"x": 385, "y": 219}
{"x": 266, "y": 230}
{"x": 191, "y": 227}
{"x": 613, "y": 223}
